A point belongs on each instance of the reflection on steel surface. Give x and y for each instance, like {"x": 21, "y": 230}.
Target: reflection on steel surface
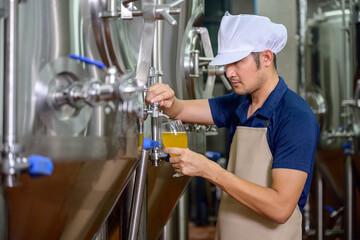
{"x": 163, "y": 194}
{"x": 71, "y": 204}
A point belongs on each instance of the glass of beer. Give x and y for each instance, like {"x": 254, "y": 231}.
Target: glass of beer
{"x": 173, "y": 134}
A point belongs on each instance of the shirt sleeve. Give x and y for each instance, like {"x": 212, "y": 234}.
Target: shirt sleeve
{"x": 223, "y": 107}
{"x": 296, "y": 141}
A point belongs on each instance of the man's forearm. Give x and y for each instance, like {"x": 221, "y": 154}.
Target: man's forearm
{"x": 191, "y": 111}
{"x": 276, "y": 204}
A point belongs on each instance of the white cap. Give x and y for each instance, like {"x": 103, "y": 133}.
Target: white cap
{"x": 239, "y": 35}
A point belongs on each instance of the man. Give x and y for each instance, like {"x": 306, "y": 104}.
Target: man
{"x": 274, "y": 135}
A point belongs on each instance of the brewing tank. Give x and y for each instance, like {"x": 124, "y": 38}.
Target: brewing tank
{"x": 328, "y": 66}
{"x": 94, "y": 148}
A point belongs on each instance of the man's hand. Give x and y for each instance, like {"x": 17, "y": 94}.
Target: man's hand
{"x": 188, "y": 162}
{"x": 162, "y": 93}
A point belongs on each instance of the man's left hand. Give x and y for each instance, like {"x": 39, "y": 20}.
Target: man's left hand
{"x": 187, "y": 162}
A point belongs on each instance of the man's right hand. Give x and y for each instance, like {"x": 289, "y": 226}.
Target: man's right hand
{"x": 191, "y": 111}
{"x": 161, "y": 93}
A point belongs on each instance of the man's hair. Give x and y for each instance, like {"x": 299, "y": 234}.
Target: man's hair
{"x": 256, "y": 56}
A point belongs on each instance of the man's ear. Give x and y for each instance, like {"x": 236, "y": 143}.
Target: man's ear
{"x": 268, "y": 57}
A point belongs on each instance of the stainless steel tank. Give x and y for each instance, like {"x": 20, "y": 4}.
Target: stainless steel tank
{"x": 330, "y": 88}
{"x": 329, "y": 80}
{"x": 87, "y": 118}
{"x": 94, "y": 148}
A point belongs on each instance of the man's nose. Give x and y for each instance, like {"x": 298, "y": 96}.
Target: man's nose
{"x": 229, "y": 71}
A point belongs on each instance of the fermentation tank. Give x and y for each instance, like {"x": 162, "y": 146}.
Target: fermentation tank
{"x": 329, "y": 90}
{"x": 94, "y": 148}
{"x": 329, "y": 77}
{"x": 80, "y": 69}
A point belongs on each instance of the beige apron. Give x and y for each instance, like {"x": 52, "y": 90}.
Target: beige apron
{"x": 251, "y": 159}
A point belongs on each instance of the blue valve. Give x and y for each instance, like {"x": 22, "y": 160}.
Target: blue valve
{"x": 88, "y": 60}
{"x": 329, "y": 208}
{"x": 40, "y": 166}
{"x": 346, "y": 145}
{"x": 148, "y": 144}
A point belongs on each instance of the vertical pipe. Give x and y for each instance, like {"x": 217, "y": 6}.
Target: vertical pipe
{"x": 319, "y": 206}
{"x": 125, "y": 207}
{"x": 183, "y": 216}
{"x": 157, "y": 48}
{"x": 139, "y": 195}
{"x": 349, "y": 199}
{"x": 301, "y": 31}
{"x": 111, "y": 5}
{"x": 345, "y": 80}
{"x": 10, "y": 87}
{"x": 306, "y": 218}
{"x": 3, "y": 206}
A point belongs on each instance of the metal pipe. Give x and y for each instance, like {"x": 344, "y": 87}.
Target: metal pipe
{"x": 306, "y": 218}
{"x": 347, "y": 93}
{"x": 319, "y": 206}
{"x": 111, "y": 5}
{"x": 139, "y": 195}
{"x": 10, "y": 81}
{"x": 301, "y": 31}
{"x": 349, "y": 199}
{"x": 183, "y": 216}
{"x": 158, "y": 43}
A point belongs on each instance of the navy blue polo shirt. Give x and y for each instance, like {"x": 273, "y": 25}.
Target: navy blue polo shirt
{"x": 293, "y": 131}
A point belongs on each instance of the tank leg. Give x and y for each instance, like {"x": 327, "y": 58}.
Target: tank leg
{"x": 349, "y": 199}
{"x": 139, "y": 195}
{"x": 319, "y": 206}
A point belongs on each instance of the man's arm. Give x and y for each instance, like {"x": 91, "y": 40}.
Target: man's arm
{"x": 276, "y": 202}
{"x": 193, "y": 111}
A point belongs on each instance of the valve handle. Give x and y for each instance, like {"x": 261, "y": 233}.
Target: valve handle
{"x": 148, "y": 144}
{"x": 40, "y": 166}
{"x": 177, "y": 3}
{"x": 88, "y": 60}
{"x": 165, "y": 10}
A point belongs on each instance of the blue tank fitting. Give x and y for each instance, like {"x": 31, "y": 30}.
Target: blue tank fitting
{"x": 329, "y": 208}
{"x": 346, "y": 145}
{"x": 40, "y": 166}
{"x": 88, "y": 60}
{"x": 148, "y": 144}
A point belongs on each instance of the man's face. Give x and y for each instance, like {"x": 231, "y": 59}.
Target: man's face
{"x": 244, "y": 75}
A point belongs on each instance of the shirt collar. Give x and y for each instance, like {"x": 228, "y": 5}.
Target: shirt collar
{"x": 269, "y": 105}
